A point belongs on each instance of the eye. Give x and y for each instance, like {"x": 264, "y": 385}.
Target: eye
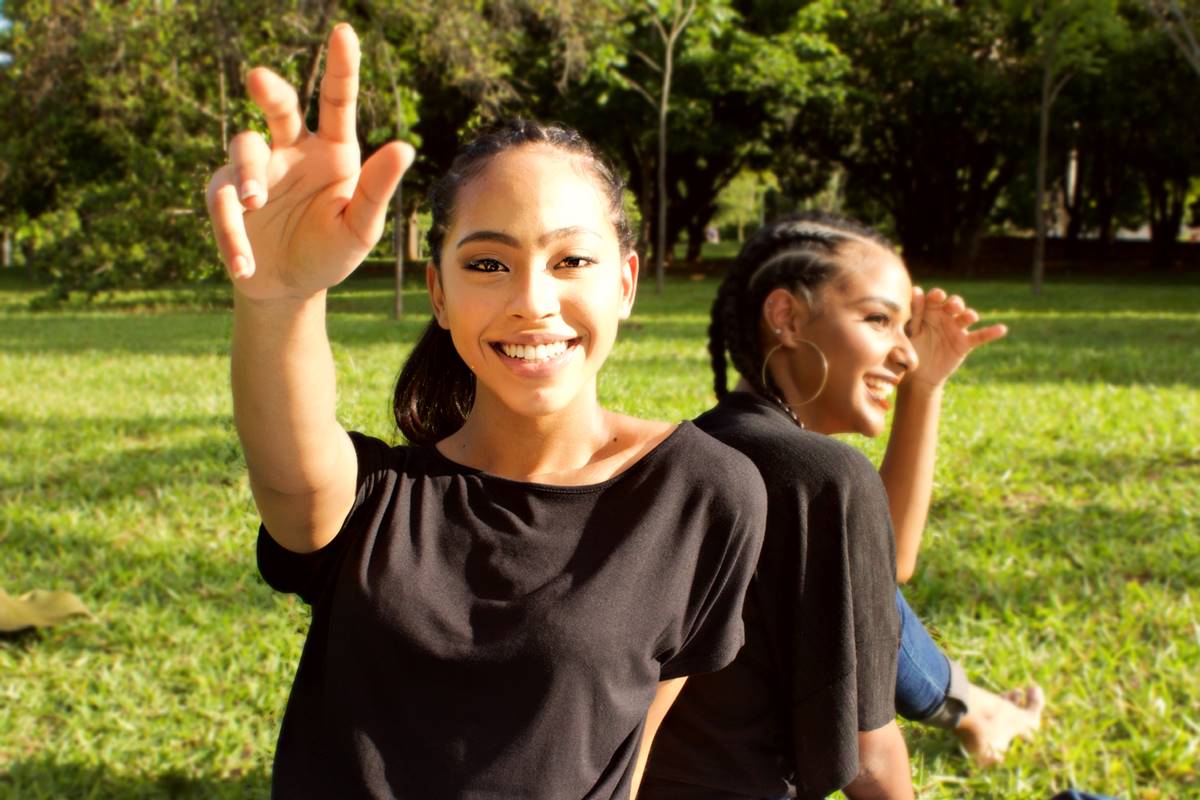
{"x": 880, "y": 320}
{"x": 575, "y": 262}
{"x": 485, "y": 265}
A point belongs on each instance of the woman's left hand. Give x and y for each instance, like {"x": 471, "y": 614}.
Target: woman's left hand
{"x": 939, "y": 331}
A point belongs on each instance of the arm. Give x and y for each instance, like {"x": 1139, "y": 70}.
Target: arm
{"x": 883, "y": 772}
{"x": 283, "y": 251}
{"x": 940, "y": 336}
{"x": 663, "y": 699}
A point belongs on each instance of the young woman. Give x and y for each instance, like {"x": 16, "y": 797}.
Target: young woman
{"x": 813, "y": 315}
{"x": 506, "y": 607}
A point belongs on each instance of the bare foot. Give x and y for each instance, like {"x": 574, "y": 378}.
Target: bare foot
{"x": 993, "y": 721}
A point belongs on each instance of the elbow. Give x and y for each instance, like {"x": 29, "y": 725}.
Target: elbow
{"x": 883, "y": 769}
{"x": 904, "y": 572}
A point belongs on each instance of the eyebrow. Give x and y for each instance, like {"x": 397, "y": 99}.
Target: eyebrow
{"x": 874, "y": 298}
{"x": 511, "y": 241}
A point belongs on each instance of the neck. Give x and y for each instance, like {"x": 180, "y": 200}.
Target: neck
{"x": 544, "y": 448}
{"x": 805, "y": 417}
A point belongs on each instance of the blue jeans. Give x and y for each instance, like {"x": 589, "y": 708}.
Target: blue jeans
{"x": 929, "y": 686}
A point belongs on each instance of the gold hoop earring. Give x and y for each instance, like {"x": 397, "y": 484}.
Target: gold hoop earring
{"x": 824, "y": 372}
{"x": 766, "y": 358}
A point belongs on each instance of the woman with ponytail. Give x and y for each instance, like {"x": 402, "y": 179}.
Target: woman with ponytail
{"x": 815, "y": 315}
{"x": 506, "y": 606}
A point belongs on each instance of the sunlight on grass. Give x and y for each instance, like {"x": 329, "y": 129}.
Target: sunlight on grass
{"x": 1064, "y": 543}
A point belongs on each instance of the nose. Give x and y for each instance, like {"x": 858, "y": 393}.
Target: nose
{"x": 534, "y": 294}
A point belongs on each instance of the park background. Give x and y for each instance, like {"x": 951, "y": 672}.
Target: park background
{"x": 1063, "y": 544}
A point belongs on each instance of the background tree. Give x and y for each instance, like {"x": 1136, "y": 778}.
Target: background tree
{"x": 935, "y": 119}
{"x": 1070, "y": 36}
{"x": 1180, "y": 23}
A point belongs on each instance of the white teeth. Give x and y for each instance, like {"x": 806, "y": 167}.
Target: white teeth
{"x": 880, "y": 389}
{"x": 530, "y": 352}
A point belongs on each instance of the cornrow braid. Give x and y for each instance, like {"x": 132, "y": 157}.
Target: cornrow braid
{"x": 800, "y": 253}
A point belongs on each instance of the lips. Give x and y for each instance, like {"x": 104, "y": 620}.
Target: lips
{"x": 880, "y": 390}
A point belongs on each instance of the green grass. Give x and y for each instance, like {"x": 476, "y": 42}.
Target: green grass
{"x": 1063, "y": 546}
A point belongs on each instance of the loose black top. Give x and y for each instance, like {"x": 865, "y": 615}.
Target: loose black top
{"x": 478, "y": 637}
{"x": 822, "y": 630}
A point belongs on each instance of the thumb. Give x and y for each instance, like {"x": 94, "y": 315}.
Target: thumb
{"x": 367, "y": 211}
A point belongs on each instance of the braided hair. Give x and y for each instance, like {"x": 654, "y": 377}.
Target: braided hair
{"x": 800, "y": 253}
{"x": 435, "y": 389}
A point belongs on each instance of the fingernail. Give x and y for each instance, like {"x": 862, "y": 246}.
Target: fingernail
{"x": 249, "y": 189}
{"x": 239, "y": 266}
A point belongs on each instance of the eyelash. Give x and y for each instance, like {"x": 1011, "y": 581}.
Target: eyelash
{"x": 485, "y": 265}
{"x": 490, "y": 265}
{"x": 879, "y": 319}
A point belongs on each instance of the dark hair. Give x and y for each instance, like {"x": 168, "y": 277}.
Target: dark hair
{"x": 798, "y": 252}
{"x": 435, "y": 389}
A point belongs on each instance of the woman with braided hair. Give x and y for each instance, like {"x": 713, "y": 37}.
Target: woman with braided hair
{"x": 820, "y": 318}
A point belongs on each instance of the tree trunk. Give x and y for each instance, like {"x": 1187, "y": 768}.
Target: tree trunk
{"x": 695, "y": 236}
{"x": 1039, "y": 244}
{"x": 414, "y": 234}
{"x": 660, "y": 246}
{"x": 1167, "y": 201}
{"x": 398, "y": 248}
{"x": 6, "y": 249}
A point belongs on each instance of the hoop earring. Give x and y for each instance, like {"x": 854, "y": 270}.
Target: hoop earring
{"x": 824, "y": 372}
{"x": 766, "y": 358}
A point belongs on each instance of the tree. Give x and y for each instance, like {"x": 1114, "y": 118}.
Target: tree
{"x": 1180, "y": 25}
{"x": 1069, "y": 37}
{"x": 934, "y": 122}
{"x": 669, "y": 18}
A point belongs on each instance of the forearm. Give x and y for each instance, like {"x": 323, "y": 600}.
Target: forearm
{"x": 664, "y": 698}
{"x": 284, "y": 398}
{"x": 907, "y": 468}
{"x": 883, "y": 769}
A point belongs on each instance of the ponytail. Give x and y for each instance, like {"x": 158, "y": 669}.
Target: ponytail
{"x": 434, "y": 391}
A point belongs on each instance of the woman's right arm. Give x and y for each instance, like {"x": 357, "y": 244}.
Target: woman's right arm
{"x": 291, "y": 220}
{"x": 883, "y": 770}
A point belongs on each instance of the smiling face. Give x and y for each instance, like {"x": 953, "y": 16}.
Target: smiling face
{"x": 532, "y": 282}
{"x": 858, "y": 323}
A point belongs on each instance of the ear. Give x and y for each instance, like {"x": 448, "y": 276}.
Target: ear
{"x": 437, "y": 298}
{"x": 629, "y": 276}
{"x": 784, "y": 314}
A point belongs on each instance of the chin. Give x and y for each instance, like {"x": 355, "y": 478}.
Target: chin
{"x": 870, "y": 425}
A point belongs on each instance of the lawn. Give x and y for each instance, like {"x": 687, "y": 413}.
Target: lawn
{"x": 1064, "y": 544}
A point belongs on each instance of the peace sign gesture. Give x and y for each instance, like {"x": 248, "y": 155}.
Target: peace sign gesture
{"x": 297, "y": 216}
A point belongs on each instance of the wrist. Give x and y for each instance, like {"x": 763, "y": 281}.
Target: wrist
{"x": 278, "y": 304}
{"x": 917, "y": 387}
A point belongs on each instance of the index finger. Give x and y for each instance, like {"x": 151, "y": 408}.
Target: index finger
{"x": 339, "y": 87}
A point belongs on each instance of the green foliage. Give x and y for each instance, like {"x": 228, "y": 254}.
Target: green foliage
{"x": 1063, "y": 543}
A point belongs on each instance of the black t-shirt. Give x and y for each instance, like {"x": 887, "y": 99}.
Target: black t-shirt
{"x": 478, "y": 637}
{"x": 822, "y": 630}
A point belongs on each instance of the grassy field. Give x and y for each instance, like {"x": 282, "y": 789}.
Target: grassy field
{"x": 1064, "y": 545}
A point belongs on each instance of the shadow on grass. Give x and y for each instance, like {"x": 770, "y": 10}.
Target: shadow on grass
{"x": 51, "y": 780}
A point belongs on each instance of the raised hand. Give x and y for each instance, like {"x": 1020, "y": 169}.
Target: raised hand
{"x": 941, "y": 335}
{"x": 298, "y": 216}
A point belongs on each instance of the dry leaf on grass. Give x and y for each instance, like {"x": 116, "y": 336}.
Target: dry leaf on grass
{"x": 37, "y": 608}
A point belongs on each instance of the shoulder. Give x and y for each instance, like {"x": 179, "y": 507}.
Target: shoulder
{"x": 726, "y": 476}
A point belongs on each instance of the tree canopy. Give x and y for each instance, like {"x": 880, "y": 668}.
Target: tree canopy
{"x": 928, "y": 112}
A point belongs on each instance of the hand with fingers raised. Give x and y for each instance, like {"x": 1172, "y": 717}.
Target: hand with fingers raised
{"x": 941, "y": 335}
{"x": 297, "y": 216}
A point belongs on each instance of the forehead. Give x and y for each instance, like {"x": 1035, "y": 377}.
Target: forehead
{"x": 529, "y": 189}
{"x": 869, "y": 270}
